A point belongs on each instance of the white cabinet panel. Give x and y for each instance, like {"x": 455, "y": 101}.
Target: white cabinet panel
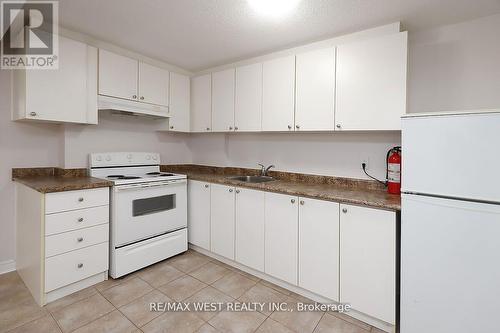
{"x": 222, "y": 220}
{"x": 179, "y": 106}
{"x": 319, "y": 247}
{"x": 153, "y": 84}
{"x": 368, "y": 261}
{"x": 371, "y": 83}
{"x": 70, "y": 200}
{"x": 278, "y": 94}
{"x": 281, "y": 236}
{"x": 223, "y": 100}
{"x": 315, "y": 91}
{"x": 250, "y": 228}
{"x": 201, "y": 103}
{"x": 76, "y": 239}
{"x": 117, "y": 75}
{"x": 248, "y": 98}
{"x": 199, "y": 214}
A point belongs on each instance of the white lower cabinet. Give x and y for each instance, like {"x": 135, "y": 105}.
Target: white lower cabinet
{"x": 319, "y": 247}
{"x": 222, "y": 220}
{"x": 249, "y": 218}
{"x": 281, "y": 240}
{"x": 199, "y": 214}
{"x": 368, "y": 261}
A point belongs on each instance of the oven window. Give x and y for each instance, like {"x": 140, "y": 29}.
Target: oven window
{"x": 153, "y": 205}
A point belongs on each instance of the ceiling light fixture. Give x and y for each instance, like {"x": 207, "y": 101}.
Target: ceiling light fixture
{"x": 273, "y": 8}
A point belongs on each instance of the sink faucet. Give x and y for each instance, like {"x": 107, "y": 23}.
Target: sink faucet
{"x": 264, "y": 170}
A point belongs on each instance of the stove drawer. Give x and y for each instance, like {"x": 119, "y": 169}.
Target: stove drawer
{"x": 74, "y": 240}
{"x": 74, "y": 266}
{"x": 75, "y": 219}
{"x": 71, "y": 200}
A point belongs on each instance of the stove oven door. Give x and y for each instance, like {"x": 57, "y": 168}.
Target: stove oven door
{"x": 141, "y": 211}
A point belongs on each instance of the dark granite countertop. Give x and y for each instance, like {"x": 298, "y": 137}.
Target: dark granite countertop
{"x": 48, "y": 180}
{"x": 343, "y": 190}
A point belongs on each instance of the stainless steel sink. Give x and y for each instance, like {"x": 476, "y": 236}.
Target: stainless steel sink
{"x": 252, "y": 179}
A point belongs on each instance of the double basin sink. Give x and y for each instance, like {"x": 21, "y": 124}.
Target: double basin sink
{"x": 252, "y": 179}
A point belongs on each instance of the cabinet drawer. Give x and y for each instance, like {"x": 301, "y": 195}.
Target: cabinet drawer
{"x": 74, "y": 266}
{"x": 74, "y": 240}
{"x": 76, "y": 219}
{"x": 71, "y": 200}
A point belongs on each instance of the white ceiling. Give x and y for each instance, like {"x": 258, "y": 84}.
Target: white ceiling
{"x": 198, "y": 34}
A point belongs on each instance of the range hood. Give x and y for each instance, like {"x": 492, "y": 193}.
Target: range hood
{"x": 107, "y": 103}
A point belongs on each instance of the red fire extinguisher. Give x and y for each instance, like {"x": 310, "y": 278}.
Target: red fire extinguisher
{"x": 394, "y": 170}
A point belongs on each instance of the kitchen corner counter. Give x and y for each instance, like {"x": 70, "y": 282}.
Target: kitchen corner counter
{"x": 48, "y": 180}
{"x": 342, "y": 190}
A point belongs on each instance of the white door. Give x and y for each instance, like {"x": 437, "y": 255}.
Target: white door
{"x": 223, "y": 101}
{"x": 371, "y": 83}
{"x": 201, "y": 103}
{"x": 278, "y": 94}
{"x": 63, "y": 94}
{"x": 319, "y": 247}
{"x": 248, "y": 98}
{"x": 179, "y": 102}
{"x": 199, "y": 214}
{"x": 449, "y": 260}
{"x": 222, "y": 220}
{"x": 118, "y": 75}
{"x": 153, "y": 84}
{"x": 315, "y": 94}
{"x": 250, "y": 228}
{"x": 281, "y": 236}
{"x": 368, "y": 261}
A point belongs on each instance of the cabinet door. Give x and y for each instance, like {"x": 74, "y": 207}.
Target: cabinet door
{"x": 66, "y": 94}
{"x": 199, "y": 214}
{"x": 371, "y": 83}
{"x": 117, "y": 75}
{"x": 250, "y": 228}
{"x": 281, "y": 237}
{"x": 201, "y": 103}
{"x": 319, "y": 247}
{"x": 153, "y": 84}
{"x": 368, "y": 261}
{"x": 222, "y": 220}
{"x": 179, "y": 102}
{"x": 278, "y": 94}
{"x": 223, "y": 101}
{"x": 315, "y": 92}
{"x": 248, "y": 98}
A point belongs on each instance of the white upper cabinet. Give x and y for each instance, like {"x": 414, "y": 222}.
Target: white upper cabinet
{"x": 278, "y": 94}
{"x": 281, "y": 236}
{"x": 199, "y": 214}
{"x": 68, "y": 94}
{"x": 153, "y": 84}
{"x": 179, "y": 103}
{"x": 319, "y": 247}
{"x": 249, "y": 244}
{"x": 248, "y": 99}
{"x": 201, "y": 103}
{"x": 222, "y": 220}
{"x": 315, "y": 90}
{"x": 223, "y": 101}
{"x": 368, "y": 261}
{"x": 371, "y": 83}
{"x": 118, "y": 75}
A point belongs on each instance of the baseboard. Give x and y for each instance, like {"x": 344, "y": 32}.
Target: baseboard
{"x": 7, "y": 266}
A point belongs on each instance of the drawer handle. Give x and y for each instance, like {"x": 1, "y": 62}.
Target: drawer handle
{"x": 80, "y": 265}
{"x": 80, "y": 219}
{"x": 231, "y": 190}
{"x": 206, "y": 185}
{"x": 344, "y": 210}
{"x": 80, "y": 239}
{"x": 302, "y": 202}
{"x": 80, "y": 199}
{"x": 292, "y": 201}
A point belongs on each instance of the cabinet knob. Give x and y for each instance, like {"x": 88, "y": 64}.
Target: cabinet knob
{"x": 80, "y": 219}
{"x": 289, "y": 126}
{"x": 230, "y": 128}
{"x": 344, "y": 210}
{"x": 231, "y": 190}
{"x": 142, "y": 97}
{"x": 33, "y": 114}
{"x": 302, "y": 202}
{"x": 80, "y": 239}
{"x": 208, "y": 128}
{"x": 237, "y": 191}
{"x": 297, "y": 126}
{"x": 171, "y": 127}
{"x": 235, "y": 128}
{"x": 134, "y": 96}
{"x": 292, "y": 201}
{"x": 80, "y": 265}
{"x": 80, "y": 199}
{"x": 206, "y": 185}
{"x": 338, "y": 126}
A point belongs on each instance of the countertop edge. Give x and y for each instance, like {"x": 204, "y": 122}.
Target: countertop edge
{"x": 93, "y": 183}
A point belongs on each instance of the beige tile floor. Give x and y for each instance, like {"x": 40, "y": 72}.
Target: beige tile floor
{"x": 122, "y": 305}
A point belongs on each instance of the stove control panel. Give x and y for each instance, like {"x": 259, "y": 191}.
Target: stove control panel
{"x": 123, "y": 159}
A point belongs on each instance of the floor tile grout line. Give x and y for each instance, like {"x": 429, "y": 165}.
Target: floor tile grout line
{"x": 319, "y": 321}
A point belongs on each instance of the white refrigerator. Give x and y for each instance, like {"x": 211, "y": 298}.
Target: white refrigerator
{"x": 450, "y": 223}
